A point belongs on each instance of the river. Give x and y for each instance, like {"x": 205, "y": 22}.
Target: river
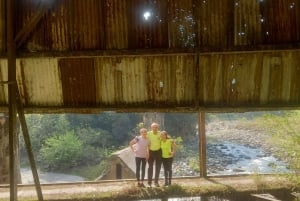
{"x": 48, "y": 177}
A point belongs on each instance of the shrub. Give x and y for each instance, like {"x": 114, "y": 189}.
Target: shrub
{"x": 61, "y": 152}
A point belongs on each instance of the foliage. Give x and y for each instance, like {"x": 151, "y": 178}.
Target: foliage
{"x": 283, "y": 129}
{"x": 41, "y": 127}
{"x": 179, "y": 143}
{"x": 61, "y": 152}
{"x": 194, "y": 163}
{"x": 183, "y": 125}
{"x": 90, "y": 172}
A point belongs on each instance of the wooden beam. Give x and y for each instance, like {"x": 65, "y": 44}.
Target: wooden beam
{"x": 152, "y": 52}
{"x": 30, "y": 26}
{"x": 11, "y": 61}
{"x": 140, "y": 109}
{"x": 28, "y": 146}
{"x": 202, "y": 144}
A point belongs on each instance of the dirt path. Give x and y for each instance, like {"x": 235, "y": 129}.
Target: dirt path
{"x": 93, "y": 189}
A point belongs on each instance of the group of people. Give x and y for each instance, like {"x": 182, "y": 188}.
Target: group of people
{"x": 154, "y": 147}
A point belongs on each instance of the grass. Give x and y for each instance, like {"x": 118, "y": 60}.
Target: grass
{"x": 224, "y": 186}
{"x": 89, "y": 172}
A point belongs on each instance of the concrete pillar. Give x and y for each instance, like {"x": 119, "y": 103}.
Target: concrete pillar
{"x": 4, "y": 151}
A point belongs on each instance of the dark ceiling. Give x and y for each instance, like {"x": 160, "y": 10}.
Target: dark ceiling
{"x": 147, "y": 55}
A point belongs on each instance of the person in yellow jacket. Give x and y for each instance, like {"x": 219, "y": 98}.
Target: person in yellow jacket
{"x": 154, "y": 154}
{"x": 168, "y": 148}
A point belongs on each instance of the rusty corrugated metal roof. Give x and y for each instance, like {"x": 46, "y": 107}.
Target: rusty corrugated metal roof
{"x": 263, "y": 79}
{"x": 162, "y": 54}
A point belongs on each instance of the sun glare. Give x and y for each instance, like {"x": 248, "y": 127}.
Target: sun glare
{"x": 147, "y": 15}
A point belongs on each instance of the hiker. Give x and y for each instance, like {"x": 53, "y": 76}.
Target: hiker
{"x": 168, "y": 148}
{"x": 154, "y": 154}
{"x": 140, "y": 146}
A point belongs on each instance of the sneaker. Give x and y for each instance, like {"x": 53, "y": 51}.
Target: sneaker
{"x": 142, "y": 185}
{"x": 156, "y": 185}
{"x": 149, "y": 185}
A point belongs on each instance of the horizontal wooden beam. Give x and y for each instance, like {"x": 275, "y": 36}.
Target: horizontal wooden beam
{"x": 156, "y": 52}
{"x": 96, "y": 110}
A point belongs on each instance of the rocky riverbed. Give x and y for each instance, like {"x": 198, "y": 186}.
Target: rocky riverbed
{"x": 232, "y": 149}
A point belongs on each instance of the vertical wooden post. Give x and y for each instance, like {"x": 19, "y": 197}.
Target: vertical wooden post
{"x": 28, "y": 145}
{"x": 11, "y": 57}
{"x": 202, "y": 144}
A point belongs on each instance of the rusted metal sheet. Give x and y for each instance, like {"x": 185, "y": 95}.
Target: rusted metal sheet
{"x": 281, "y": 21}
{"x": 250, "y": 79}
{"x": 81, "y": 25}
{"x": 2, "y": 26}
{"x": 69, "y": 25}
{"x": 145, "y": 80}
{"x": 171, "y": 80}
{"x": 78, "y": 82}
{"x": 116, "y": 24}
{"x": 82, "y": 22}
{"x": 39, "y": 82}
{"x": 3, "y": 78}
{"x": 248, "y": 22}
{"x": 215, "y": 22}
{"x": 181, "y": 24}
{"x": 148, "y": 23}
{"x": 209, "y": 80}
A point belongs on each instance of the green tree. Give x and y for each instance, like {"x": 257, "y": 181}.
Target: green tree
{"x": 183, "y": 125}
{"x": 61, "y": 152}
{"x": 41, "y": 127}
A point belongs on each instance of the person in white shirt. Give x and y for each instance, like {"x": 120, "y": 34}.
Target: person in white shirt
{"x": 140, "y": 146}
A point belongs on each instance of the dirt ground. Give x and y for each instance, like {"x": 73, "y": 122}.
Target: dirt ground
{"x": 65, "y": 191}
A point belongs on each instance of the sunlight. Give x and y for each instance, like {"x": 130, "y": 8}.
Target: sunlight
{"x": 147, "y": 15}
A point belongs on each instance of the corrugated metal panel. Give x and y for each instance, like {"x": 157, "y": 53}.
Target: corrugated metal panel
{"x": 148, "y": 23}
{"x": 247, "y": 22}
{"x": 81, "y": 23}
{"x": 249, "y": 79}
{"x": 121, "y": 80}
{"x": 116, "y": 24}
{"x": 25, "y": 11}
{"x": 253, "y": 79}
{"x": 281, "y": 21}
{"x": 215, "y": 22}
{"x": 78, "y": 81}
{"x": 290, "y": 60}
{"x": 2, "y": 25}
{"x": 71, "y": 25}
{"x": 39, "y": 82}
{"x": 171, "y": 80}
{"x": 111, "y": 24}
{"x": 4, "y": 78}
{"x": 181, "y": 23}
{"x": 146, "y": 80}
